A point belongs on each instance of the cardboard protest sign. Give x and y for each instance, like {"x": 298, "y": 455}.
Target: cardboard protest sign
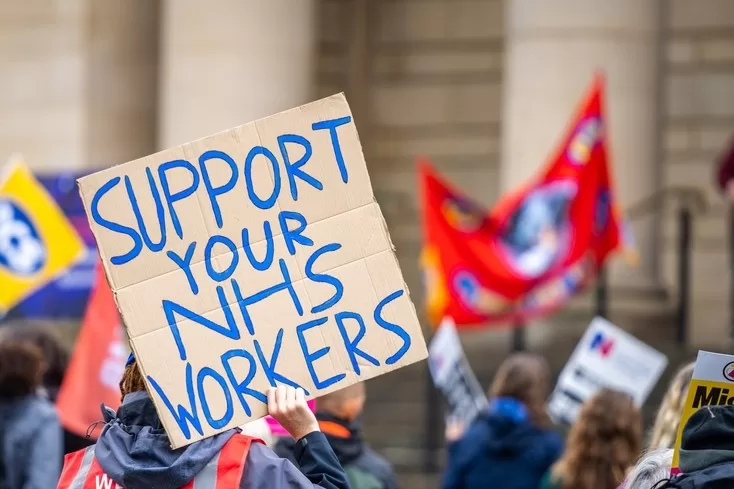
{"x": 252, "y": 258}
{"x": 453, "y": 376}
{"x": 608, "y": 357}
{"x": 711, "y": 385}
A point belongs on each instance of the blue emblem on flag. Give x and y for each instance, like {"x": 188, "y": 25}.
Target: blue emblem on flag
{"x": 22, "y": 250}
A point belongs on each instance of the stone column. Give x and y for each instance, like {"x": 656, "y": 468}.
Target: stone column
{"x": 553, "y": 49}
{"x": 121, "y": 80}
{"x": 227, "y": 62}
{"x": 78, "y": 88}
{"x": 42, "y": 83}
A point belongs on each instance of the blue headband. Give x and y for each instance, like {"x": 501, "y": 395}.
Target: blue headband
{"x": 130, "y": 359}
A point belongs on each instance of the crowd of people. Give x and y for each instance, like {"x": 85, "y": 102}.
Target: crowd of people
{"x": 513, "y": 444}
{"x": 514, "y": 441}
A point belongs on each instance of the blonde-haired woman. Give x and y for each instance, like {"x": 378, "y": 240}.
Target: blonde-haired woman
{"x": 666, "y": 423}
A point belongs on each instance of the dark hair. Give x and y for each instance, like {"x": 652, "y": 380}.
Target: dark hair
{"x": 526, "y": 378}
{"x": 56, "y": 357}
{"x": 21, "y": 368}
{"x": 603, "y": 444}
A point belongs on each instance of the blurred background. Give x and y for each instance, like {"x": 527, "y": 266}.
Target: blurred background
{"x": 484, "y": 88}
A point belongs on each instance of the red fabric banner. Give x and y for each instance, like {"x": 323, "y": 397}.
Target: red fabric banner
{"x": 538, "y": 247}
{"x": 97, "y": 363}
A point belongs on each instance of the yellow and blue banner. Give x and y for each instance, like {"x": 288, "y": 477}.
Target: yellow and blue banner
{"x": 37, "y": 241}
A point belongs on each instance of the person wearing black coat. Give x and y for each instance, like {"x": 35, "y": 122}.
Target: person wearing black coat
{"x": 706, "y": 459}
{"x": 338, "y": 415}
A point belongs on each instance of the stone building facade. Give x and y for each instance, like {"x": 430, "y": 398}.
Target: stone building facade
{"x": 482, "y": 87}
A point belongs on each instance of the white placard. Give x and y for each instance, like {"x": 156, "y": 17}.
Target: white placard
{"x": 608, "y": 357}
{"x": 453, "y": 376}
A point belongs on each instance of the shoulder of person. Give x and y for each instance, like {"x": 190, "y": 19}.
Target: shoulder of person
{"x": 40, "y": 408}
{"x": 262, "y": 465}
{"x": 550, "y": 482}
{"x": 471, "y": 444}
{"x": 552, "y": 438}
{"x": 551, "y": 443}
{"x": 479, "y": 428}
{"x": 376, "y": 463}
{"x": 260, "y": 454}
{"x": 284, "y": 447}
{"x": 360, "y": 478}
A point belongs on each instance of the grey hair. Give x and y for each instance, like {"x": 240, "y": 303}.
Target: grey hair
{"x": 653, "y": 466}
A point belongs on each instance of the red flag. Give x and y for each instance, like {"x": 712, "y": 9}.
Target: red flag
{"x": 538, "y": 247}
{"x": 97, "y": 362}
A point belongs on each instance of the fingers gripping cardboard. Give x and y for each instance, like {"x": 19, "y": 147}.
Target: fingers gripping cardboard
{"x": 252, "y": 258}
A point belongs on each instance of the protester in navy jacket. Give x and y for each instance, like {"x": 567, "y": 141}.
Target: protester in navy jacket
{"x": 134, "y": 451}
{"x": 511, "y": 445}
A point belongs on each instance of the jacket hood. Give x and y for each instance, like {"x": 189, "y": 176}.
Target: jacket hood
{"x": 512, "y": 430}
{"x": 134, "y": 450}
{"x": 708, "y": 438}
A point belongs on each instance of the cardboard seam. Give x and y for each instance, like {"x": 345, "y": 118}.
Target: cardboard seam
{"x": 372, "y": 285}
{"x": 363, "y": 258}
{"x": 256, "y": 243}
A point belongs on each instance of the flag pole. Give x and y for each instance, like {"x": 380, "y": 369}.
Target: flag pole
{"x": 518, "y": 336}
{"x": 601, "y": 293}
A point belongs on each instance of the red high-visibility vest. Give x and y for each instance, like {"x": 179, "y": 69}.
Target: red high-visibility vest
{"x": 224, "y": 471}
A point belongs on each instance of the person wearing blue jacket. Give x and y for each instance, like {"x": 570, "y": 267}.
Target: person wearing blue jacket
{"x": 31, "y": 443}
{"x": 511, "y": 445}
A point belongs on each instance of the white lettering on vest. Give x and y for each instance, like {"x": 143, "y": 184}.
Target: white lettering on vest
{"x": 104, "y": 482}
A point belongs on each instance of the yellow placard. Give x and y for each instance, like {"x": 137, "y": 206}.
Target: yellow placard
{"x": 37, "y": 241}
{"x": 712, "y": 385}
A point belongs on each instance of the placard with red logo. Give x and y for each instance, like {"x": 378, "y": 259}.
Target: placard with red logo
{"x": 606, "y": 356}
{"x": 711, "y": 385}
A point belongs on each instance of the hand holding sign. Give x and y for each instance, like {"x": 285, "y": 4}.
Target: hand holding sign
{"x": 276, "y": 429}
{"x": 250, "y": 259}
{"x": 288, "y": 407}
